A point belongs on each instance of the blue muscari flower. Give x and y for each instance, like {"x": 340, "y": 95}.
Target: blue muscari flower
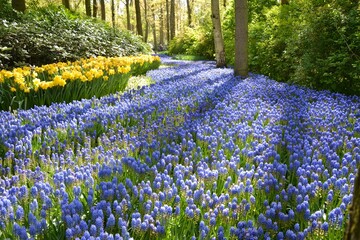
{"x": 69, "y": 233}
{"x": 111, "y": 221}
{"x": 93, "y": 230}
{"x": 325, "y": 226}
{"x": 19, "y": 213}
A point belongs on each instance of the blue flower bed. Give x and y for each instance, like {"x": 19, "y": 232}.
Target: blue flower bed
{"x": 198, "y": 155}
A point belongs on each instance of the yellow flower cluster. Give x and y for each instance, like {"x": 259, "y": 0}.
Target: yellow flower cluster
{"x": 47, "y": 76}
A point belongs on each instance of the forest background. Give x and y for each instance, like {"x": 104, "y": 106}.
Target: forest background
{"x": 315, "y": 43}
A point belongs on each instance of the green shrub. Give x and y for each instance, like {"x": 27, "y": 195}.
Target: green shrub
{"x": 6, "y": 11}
{"x": 53, "y": 34}
{"x": 198, "y": 42}
{"x": 311, "y": 43}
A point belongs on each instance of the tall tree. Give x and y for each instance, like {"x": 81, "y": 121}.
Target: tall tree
{"x": 66, "y": 3}
{"x": 88, "y": 7}
{"x": 218, "y": 38}
{"x": 353, "y": 230}
{"x": 113, "y": 13}
{"x": 18, "y": 5}
{"x": 95, "y": 8}
{"x": 167, "y": 22}
{"x": 138, "y": 18}
{"x": 154, "y": 28}
{"x": 161, "y": 26}
{"x": 189, "y": 12}
{"x": 146, "y": 36}
{"x": 172, "y": 19}
{"x": 128, "y": 22}
{"x": 241, "y": 38}
{"x": 102, "y": 8}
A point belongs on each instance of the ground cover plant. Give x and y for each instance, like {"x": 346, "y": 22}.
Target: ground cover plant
{"x": 197, "y": 155}
{"x": 65, "y": 82}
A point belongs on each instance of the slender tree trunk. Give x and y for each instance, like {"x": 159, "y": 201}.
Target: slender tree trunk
{"x": 66, "y": 3}
{"x": 18, "y": 5}
{"x": 113, "y": 13}
{"x": 172, "y": 19}
{"x": 102, "y": 8}
{"x": 284, "y": 2}
{"x": 154, "y": 30}
{"x": 353, "y": 230}
{"x": 218, "y": 38}
{"x": 167, "y": 22}
{"x": 161, "y": 26}
{"x": 189, "y": 12}
{"x": 138, "y": 18}
{"x": 241, "y": 38}
{"x": 88, "y": 8}
{"x": 128, "y": 23}
{"x": 95, "y": 8}
{"x": 224, "y": 3}
{"x": 146, "y": 22}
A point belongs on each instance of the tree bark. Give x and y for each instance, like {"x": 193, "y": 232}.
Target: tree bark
{"x": 154, "y": 28}
{"x": 353, "y": 230}
{"x": 102, "y": 8}
{"x": 189, "y": 12}
{"x": 18, "y": 5}
{"x": 167, "y": 22}
{"x": 218, "y": 38}
{"x": 146, "y": 22}
{"x": 66, "y": 3}
{"x": 172, "y": 19}
{"x": 95, "y": 8}
{"x": 113, "y": 13}
{"x": 88, "y": 7}
{"x": 138, "y": 18}
{"x": 241, "y": 38}
{"x": 128, "y": 23}
{"x": 161, "y": 26}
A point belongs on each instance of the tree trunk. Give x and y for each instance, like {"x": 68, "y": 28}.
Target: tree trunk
{"x": 128, "y": 23}
{"x": 66, "y": 3}
{"x": 113, "y": 13}
{"x": 161, "y": 26}
{"x": 154, "y": 29}
{"x": 189, "y": 12}
{"x": 353, "y": 230}
{"x": 88, "y": 8}
{"x": 95, "y": 8}
{"x": 146, "y": 22}
{"x": 224, "y": 3}
{"x": 172, "y": 19}
{"x": 18, "y": 5}
{"x": 138, "y": 18}
{"x": 102, "y": 8}
{"x": 218, "y": 38}
{"x": 241, "y": 38}
{"x": 167, "y": 22}
{"x": 284, "y": 2}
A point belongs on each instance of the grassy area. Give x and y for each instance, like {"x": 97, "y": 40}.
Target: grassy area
{"x": 189, "y": 57}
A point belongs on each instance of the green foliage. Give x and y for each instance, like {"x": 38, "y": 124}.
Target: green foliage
{"x": 311, "y": 43}
{"x": 6, "y": 11}
{"x": 198, "y": 42}
{"x": 53, "y": 34}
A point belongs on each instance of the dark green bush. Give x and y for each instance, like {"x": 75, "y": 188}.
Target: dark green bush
{"x": 52, "y": 34}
